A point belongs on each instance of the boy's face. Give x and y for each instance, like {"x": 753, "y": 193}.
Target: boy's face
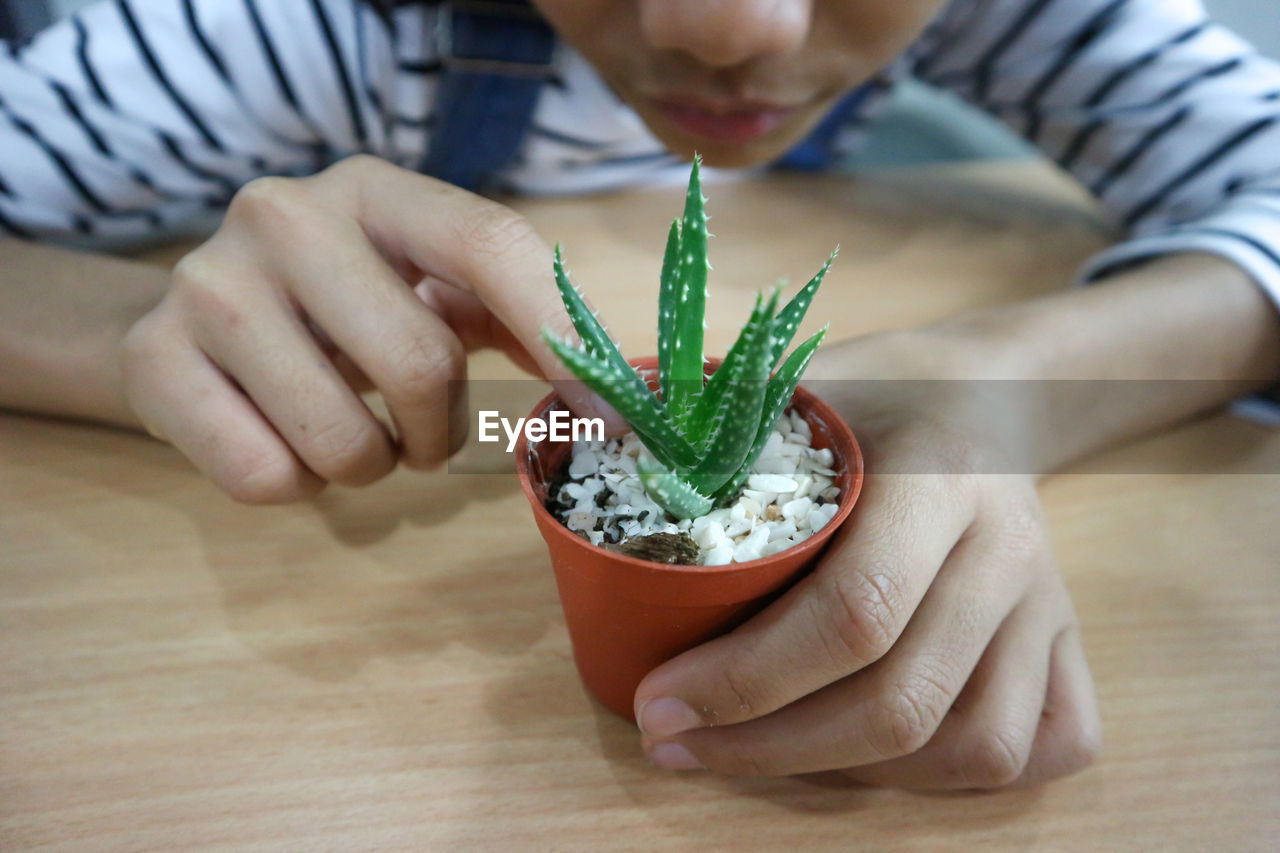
{"x": 739, "y": 81}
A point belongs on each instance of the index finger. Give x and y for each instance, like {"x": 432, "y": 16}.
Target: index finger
{"x": 475, "y": 244}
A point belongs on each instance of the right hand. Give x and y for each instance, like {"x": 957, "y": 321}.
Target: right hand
{"x": 365, "y": 276}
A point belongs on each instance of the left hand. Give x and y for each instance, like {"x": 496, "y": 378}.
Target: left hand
{"x": 935, "y": 646}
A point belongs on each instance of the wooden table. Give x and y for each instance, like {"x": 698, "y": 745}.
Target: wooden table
{"x": 388, "y": 668}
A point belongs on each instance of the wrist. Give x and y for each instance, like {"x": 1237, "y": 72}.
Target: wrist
{"x": 956, "y": 390}
{"x": 1050, "y": 380}
{"x": 63, "y": 318}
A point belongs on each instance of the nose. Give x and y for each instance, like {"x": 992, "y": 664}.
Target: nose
{"x": 724, "y": 33}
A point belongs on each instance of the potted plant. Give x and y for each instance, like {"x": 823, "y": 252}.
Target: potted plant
{"x": 726, "y": 492}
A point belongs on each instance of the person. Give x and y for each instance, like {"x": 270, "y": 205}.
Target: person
{"x": 936, "y": 645}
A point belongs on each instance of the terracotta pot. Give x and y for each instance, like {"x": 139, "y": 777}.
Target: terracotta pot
{"x": 627, "y": 616}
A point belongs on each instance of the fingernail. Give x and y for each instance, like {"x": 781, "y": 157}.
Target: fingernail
{"x": 673, "y": 756}
{"x": 666, "y": 717}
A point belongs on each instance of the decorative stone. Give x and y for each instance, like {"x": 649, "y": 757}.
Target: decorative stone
{"x": 584, "y": 464}
{"x": 797, "y": 508}
{"x": 789, "y": 495}
{"x": 671, "y": 548}
{"x": 771, "y": 483}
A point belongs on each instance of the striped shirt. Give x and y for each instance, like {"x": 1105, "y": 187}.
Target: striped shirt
{"x": 136, "y": 117}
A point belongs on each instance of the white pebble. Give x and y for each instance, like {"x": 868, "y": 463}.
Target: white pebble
{"x": 784, "y": 466}
{"x": 776, "y": 511}
{"x": 791, "y": 451}
{"x": 819, "y": 515}
{"x": 720, "y": 515}
{"x": 771, "y": 465}
{"x": 584, "y": 464}
{"x": 776, "y": 546}
{"x": 771, "y": 483}
{"x": 583, "y": 521}
{"x": 784, "y": 529}
{"x": 804, "y": 486}
{"x": 721, "y": 555}
{"x": 797, "y": 508}
{"x": 762, "y": 498}
{"x": 749, "y": 548}
{"x": 584, "y": 490}
{"x": 711, "y": 536}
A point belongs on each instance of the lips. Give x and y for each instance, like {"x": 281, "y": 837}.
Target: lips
{"x": 737, "y": 123}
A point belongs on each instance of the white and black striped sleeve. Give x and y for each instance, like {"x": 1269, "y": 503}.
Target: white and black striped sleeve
{"x": 133, "y": 117}
{"x": 1169, "y": 119}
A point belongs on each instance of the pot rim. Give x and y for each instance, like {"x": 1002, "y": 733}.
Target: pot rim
{"x": 814, "y": 408}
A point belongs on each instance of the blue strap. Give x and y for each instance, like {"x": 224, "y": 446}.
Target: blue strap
{"x": 818, "y": 151}
{"x": 495, "y": 56}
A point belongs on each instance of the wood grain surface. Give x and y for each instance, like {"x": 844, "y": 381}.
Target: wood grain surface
{"x": 388, "y": 668}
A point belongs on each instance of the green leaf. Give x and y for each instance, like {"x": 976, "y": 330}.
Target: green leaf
{"x": 670, "y": 492}
{"x": 631, "y": 398}
{"x": 777, "y": 397}
{"x": 690, "y": 303}
{"x": 735, "y": 428}
{"x": 709, "y": 410}
{"x": 704, "y": 434}
{"x": 790, "y": 317}
{"x": 595, "y": 340}
{"x": 667, "y": 297}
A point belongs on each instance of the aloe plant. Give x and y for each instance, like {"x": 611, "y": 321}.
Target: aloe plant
{"x": 704, "y": 434}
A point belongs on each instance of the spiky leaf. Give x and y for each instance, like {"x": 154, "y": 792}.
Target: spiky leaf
{"x": 790, "y": 317}
{"x": 777, "y": 397}
{"x": 631, "y": 398}
{"x": 595, "y": 340}
{"x": 668, "y": 294}
{"x": 735, "y": 429}
{"x": 710, "y": 408}
{"x": 690, "y": 303}
{"x": 671, "y": 492}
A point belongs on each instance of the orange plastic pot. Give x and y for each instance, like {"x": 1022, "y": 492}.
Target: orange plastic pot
{"x": 627, "y": 616}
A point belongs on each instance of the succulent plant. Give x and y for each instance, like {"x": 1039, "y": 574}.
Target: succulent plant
{"x": 704, "y": 433}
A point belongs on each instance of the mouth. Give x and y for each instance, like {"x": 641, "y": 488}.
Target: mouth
{"x": 735, "y": 123}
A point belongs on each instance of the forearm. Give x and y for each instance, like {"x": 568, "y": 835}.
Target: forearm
{"x": 63, "y": 316}
{"x": 1142, "y": 350}
{"x": 1145, "y": 350}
